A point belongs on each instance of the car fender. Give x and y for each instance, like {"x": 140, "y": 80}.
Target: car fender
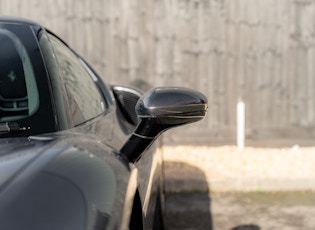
{"x": 65, "y": 187}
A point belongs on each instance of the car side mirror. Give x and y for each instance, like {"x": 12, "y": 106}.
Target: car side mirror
{"x": 127, "y": 99}
{"x": 160, "y": 109}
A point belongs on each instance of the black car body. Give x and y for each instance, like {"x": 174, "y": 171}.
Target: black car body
{"x": 74, "y": 152}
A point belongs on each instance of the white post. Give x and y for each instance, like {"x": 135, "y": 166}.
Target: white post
{"x": 240, "y": 124}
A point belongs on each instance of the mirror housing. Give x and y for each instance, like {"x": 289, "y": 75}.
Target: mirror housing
{"x": 160, "y": 109}
{"x": 126, "y": 99}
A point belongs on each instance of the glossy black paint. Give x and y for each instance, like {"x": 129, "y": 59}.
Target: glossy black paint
{"x": 54, "y": 184}
{"x": 172, "y": 102}
{"x": 127, "y": 99}
{"x": 58, "y": 175}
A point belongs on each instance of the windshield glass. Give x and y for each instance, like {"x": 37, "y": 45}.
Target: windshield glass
{"x": 25, "y": 100}
{"x": 18, "y": 89}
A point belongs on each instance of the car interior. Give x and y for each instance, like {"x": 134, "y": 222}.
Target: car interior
{"x": 18, "y": 89}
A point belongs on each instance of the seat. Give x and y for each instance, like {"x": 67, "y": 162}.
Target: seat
{"x": 13, "y": 92}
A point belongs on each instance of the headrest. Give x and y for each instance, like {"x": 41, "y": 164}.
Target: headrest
{"x": 12, "y": 78}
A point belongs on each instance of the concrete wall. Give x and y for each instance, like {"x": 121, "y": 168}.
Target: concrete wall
{"x": 262, "y": 51}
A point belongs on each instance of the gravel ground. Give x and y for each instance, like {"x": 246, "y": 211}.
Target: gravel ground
{"x": 241, "y": 211}
{"x": 224, "y": 188}
{"x": 204, "y": 168}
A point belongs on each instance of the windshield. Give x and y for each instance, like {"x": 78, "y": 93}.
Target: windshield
{"x": 18, "y": 89}
{"x": 24, "y": 91}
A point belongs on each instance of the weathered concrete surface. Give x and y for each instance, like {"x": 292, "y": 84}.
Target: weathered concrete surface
{"x": 241, "y": 211}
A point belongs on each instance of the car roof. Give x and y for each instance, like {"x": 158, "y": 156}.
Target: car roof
{"x": 17, "y": 20}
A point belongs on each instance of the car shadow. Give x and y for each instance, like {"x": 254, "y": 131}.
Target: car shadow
{"x": 246, "y": 227}
{"x": 187, "y": 196}
{"x": 188, "y": 201}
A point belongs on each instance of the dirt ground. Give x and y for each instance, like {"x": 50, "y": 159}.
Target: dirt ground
{"x": 225, "y": 168}
{"x": 223, "y": 188}
{"x": 241, "y": 211}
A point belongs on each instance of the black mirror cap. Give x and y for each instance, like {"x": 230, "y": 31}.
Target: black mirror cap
{"x": 172, "y": 103}
{"x": 167, "y": 107}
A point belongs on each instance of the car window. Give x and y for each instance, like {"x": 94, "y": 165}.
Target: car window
{"x": 84, "y": 98}
{"x": 25, "y": 96}
{"x": 18, "y": 90}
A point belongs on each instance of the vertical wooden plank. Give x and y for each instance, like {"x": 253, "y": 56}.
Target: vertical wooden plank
{"x": 310, "y": 87}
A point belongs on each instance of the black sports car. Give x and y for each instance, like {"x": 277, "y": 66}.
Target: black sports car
{"x": 75, "y": 153}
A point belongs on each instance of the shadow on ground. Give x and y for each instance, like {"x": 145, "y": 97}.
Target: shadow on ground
{"x": 188, "y": 200}
{"x": 188, "y": 204}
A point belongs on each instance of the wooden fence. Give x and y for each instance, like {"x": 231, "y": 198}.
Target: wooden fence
{"x": 261, "y": 51}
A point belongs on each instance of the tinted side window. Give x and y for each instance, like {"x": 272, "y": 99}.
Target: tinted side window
{"x": 85, "y": 100}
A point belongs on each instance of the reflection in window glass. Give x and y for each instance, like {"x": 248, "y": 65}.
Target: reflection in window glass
{"x": 85, "y": 100}
{"x": 18, "y": 90}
